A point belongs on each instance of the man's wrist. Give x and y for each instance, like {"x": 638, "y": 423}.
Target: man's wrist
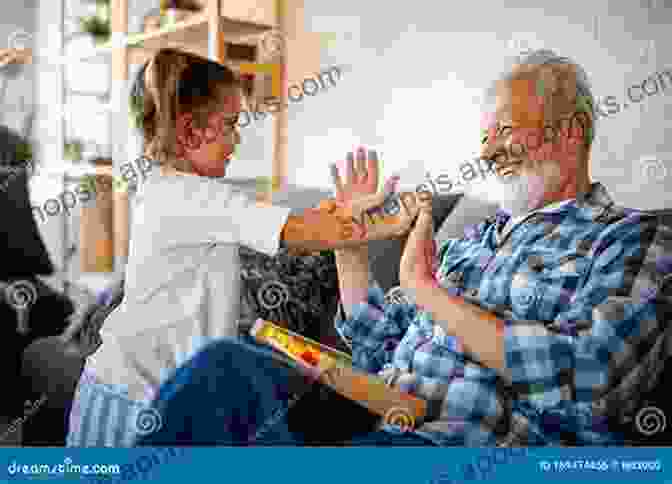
{"x": 356, "y": 252}
{"x": 427, "y": 292}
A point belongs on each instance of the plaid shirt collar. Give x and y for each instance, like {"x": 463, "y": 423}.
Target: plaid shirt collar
{"x": 588, "y": 206}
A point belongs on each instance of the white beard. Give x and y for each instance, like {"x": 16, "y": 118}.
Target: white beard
{"x": 512, "y": 194}
{"x": 517, "y": 194}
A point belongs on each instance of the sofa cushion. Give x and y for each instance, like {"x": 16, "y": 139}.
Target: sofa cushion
{"x": 300, "y": 292}
{"x": 385, "y": 255}
{"x": 23, "y": 250}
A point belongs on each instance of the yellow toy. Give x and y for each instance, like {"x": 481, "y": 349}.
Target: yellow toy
{"x": 335, "y": 369}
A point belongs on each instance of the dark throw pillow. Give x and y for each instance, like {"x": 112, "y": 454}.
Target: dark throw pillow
{"x": 21, "y": 247}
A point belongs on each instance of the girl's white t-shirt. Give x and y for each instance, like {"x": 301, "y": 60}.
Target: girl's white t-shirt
{"x": 182, "y": 284}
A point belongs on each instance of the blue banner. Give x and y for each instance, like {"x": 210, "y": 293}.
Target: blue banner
{"x": 427, "y": 465}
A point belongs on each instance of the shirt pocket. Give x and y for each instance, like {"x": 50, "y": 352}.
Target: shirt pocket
{"x": 545, "y": 284}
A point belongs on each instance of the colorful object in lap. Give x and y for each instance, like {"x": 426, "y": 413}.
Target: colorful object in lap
{"x": 335, "y": 369}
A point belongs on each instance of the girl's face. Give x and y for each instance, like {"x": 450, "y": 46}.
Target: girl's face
{"x": 210, "y": 149}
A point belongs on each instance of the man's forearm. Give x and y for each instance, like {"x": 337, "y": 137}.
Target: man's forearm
{"x": 353, "y": 276}
{"x": 481, "y": 332}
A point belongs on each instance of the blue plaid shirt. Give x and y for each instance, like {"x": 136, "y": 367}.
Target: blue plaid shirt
{"x": 585, "y": 291}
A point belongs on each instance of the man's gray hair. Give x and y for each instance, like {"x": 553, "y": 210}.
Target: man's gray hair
{"x": 548, "y": 57}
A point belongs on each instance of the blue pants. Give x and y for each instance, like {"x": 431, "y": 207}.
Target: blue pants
{"x": 241, "y": 393}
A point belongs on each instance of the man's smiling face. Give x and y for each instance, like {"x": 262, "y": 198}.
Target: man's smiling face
{"x": 536, "y": 140}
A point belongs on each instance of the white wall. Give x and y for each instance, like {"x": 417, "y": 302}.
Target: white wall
{"x": 415, "y": 75}
{"x": 17, "y": 25}
{"x": 417, "y": 70}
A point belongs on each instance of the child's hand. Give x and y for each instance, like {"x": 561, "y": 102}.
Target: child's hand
{"x": 359, "y": 190}
{"x": 357, "y": 197}
{"x": 361, "y": 180}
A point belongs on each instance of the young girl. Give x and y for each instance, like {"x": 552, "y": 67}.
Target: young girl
{"x": 182, "y": 278}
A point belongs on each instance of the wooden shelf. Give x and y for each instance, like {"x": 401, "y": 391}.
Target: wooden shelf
{"x": 206, "y": 34}
{"x": 190, "y": 35}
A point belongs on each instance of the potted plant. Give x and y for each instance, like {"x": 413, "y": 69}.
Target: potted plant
{"x": 73, "y": 150}
{"x": 98, "y": 25}
{"x": 24, "y": 153}
{"x": 169, "y": 13}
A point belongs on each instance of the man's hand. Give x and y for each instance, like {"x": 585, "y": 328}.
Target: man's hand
{"x": 419, "y": 261}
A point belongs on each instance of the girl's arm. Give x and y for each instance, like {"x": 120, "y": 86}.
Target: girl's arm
{"x": 317, "y": 230}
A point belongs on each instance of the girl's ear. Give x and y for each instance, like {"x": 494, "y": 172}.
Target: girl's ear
{"x": 184, "y": 124}
{"x": 179, "y": 148}
{"x": 183, "y": 131}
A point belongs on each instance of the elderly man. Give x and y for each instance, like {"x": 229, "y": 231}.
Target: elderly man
{"x": 530, "y": 330}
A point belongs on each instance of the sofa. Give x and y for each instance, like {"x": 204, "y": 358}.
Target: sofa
{"x": 308, "y": 306}
{"x": 25, "y": 260}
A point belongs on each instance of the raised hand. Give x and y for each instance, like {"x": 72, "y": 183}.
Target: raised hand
{"x": 419, "y": 261}
{"x": 357, "y": 197}
{"x": 361, "y": 180}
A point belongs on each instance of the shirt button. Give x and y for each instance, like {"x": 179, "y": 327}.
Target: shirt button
{"x": 536, "y": 263}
